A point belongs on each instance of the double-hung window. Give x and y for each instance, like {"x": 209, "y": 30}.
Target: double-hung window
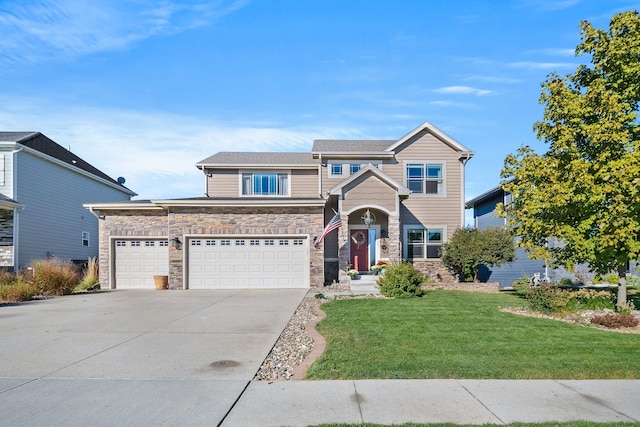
{"x": 425, "y": 178}
{"x": 265, "y": 184}
{"x": 424, "y": 243}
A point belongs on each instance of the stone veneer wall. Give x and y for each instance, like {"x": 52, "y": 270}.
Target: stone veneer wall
{"x": 231, "y": 220}
{"x": 435, "y": 270}
{"x": 202, "y": 220}
{"x": 127, "y": 223}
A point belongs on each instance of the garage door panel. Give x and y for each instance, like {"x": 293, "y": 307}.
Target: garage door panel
{"x": 137, "y": 261}
{"x": 249, "y": 262}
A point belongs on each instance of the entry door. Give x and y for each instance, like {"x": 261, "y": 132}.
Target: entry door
{"x": 359, "y": 246}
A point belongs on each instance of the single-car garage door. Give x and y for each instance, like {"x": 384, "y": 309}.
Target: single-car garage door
{"x": 248, "y": 262}
{"x": 138, "y": 260}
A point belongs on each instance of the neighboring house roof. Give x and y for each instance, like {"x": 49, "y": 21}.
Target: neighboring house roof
{"x": 6, "y": 202}
{"x": 257, "y": 159}
{"x": 349, "y": 145}
{"x": 370, "y": 169}
{"x": 487, "y": 195}
{"x": 40, "y": 143}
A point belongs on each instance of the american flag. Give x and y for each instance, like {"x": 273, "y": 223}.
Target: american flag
{"x": 335, "y": 222}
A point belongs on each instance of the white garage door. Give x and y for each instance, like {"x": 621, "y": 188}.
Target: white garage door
{"x": 248, "y": 263}
{"x": 138, "y": 260}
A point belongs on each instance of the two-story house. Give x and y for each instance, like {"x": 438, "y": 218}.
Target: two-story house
{"x": 258, "y": 224}
{"x": 42, "y": 189}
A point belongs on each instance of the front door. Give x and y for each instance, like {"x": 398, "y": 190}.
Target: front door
{"x": 359, "y": 249}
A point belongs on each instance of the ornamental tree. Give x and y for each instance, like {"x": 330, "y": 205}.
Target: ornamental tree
{"x": 470, "y": 248}
{"x": 583, "y": 192}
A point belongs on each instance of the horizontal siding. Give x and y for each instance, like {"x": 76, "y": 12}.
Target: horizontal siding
{"x": 53, "y": 219}
{"x": 223, "y": 183}
{"x": 6, "y": 172}
{"x": 304, "y": 183}
{"x": 226, "y": 183}
{"x": 442, "y": 210}
{"x": 369, "y": 190}
{"x": 506, "y": 274}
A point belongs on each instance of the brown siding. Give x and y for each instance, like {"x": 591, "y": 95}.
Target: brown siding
{"x": 304, "y": 183}
{"x": 223, "y": 183}
{"x": 434, "y": 210}
{"x": 369, "y": 190}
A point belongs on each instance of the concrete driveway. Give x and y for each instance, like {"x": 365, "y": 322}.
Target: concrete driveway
{"x": 135, "y": 357}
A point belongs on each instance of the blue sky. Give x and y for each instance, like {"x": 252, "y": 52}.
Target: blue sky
{"x": 145, "y": 89}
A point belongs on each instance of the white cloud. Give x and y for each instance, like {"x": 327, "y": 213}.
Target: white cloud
{"x": 155, "y": 152}
{"x": 48, "y": 29}
{"x": 463, "y": 90}
{"x": 531, "y": 65}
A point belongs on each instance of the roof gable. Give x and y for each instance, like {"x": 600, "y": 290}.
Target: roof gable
{"x": 370, "y": 169}
{"x": 446, "y": 139}
{"x": 36, "y": 141}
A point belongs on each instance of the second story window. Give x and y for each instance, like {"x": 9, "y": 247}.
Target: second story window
{"x": 265, "y": 184}
{"x": 336, "y": 169}
{"x": 353, "y": 168}
{"x": 425, "y": 178}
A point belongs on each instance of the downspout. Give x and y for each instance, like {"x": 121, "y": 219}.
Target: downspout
{"x": 16, "y": 222}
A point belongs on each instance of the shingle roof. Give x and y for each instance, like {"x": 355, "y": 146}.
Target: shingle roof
{"x": 257, "y": 158}
{"x": 350, "y": 145}
{"x": 37, "y": 141}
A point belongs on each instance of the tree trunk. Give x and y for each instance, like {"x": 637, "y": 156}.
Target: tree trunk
{"x": 622, "y": 284}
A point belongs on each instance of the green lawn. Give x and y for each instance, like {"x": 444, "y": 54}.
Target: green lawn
{"x": 449, "y": 334}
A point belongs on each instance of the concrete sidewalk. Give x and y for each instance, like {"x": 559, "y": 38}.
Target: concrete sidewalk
{"x": 303, "y": 403}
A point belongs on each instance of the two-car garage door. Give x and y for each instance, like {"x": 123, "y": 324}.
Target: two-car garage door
{"x": 217, "y": 262}
{"x": 248, "y": 262}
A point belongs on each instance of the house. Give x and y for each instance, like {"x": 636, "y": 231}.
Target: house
{"x": 42, "y": 189}
{"x": 257, "y": 225}
{"x": 484, "y": 214}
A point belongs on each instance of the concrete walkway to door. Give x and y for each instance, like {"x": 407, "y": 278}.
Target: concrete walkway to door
{"x": 135, "y": 357}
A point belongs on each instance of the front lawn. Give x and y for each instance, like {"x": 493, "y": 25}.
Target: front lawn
{"x": 449, "y": 334}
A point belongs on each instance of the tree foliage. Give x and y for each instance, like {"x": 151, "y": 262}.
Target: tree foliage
{"x": 469, "y": 248}
{"x": 584, "y": 191}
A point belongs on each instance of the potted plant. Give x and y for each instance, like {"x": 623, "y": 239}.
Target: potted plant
{"x": 379, "y": 267}
{"x": 353, "y": 273}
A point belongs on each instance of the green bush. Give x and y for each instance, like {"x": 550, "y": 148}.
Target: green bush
{"x": 401, "y": 280}
{"x": 565, "y": 281}
{"x": 17, "y": 291}
{"x": 53, "y": 276}
{"x": 551, "y": 299}
{"x": 521, "y": 285}
{"x": 633, "y": 280}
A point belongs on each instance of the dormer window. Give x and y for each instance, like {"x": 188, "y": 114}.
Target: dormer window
{"x": 336, "y": 169}
{"x": 353, "y": 168}
{"x": 265, "y": 184}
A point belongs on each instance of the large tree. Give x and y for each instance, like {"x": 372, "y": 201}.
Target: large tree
{"x": 584, "y": 191}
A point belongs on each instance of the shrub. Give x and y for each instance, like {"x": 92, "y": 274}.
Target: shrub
{"x": 521, "y": 285}
{"x": 633, "y": 280}
{"x": 53, "y": 276}
{"x": 90, "y": 277}
{"x": 591, "y": 299}
{"x": 625, "y": 307}
{"x": 401, "y": 280}
{"x": 18, "y": 291}
{"x": 6, "y": 277}
{"x": 565, "y": 281}
{"x": 616, "y": 320}
{"x": 469, "y": 248}
{"x": 549, "y": 299}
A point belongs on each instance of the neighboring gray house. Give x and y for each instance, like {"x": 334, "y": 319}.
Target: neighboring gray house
{"x": 42, "y": 189}
{"x": 484, "y": 216}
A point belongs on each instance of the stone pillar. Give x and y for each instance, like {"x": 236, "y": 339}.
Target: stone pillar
{"x": 395, "y": 238}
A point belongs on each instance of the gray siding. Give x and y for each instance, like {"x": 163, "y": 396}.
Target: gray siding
{"x": 506, "y": 274}
{"x": 6, "y": 173}
{"x": 53, "y": 219}
{"x": 485, "y": 214}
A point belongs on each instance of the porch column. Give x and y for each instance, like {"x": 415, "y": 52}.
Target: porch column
{"x": 343, "y": 246}
{"x": 395, "y": 237}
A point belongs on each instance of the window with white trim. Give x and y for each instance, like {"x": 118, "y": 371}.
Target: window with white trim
{"x": 424, "y": 243}
{"x": 354, "y": 167}
{"x": 265, "y": 184}
{"x": 85, "y": 238}
{"x": 336, "y": 169}
{"x": 425, "y": 178}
